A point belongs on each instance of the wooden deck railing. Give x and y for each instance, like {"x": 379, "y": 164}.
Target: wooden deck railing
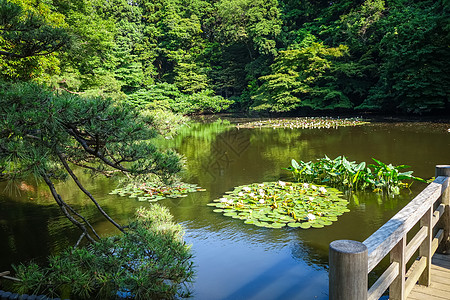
{"x": 351, "y": 261}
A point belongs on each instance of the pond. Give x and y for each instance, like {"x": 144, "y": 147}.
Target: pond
{"x": 235, "y": 260}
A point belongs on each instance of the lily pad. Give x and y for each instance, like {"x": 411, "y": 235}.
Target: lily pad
{"x": 277, "y": 204}
{"x": 303, "y": 123}
{"x": 305, "y": 225}
{"x": 153, "y": 192}
{"x": 295, "y": 225}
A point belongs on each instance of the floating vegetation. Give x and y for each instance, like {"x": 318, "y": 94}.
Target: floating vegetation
{"x": 153, "y": 192}
{"x": 304, "y": 123}
{"x": 345, "y": 174}
{"x": 280, "y": 204}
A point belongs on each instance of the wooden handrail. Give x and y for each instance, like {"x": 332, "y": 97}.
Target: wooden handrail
{"x": 391, "y": 239}
{"x": 387, "y": 236}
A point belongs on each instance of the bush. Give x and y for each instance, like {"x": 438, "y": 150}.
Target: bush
{"x": 165, "y": 96}
{"x": 149, "y": 261}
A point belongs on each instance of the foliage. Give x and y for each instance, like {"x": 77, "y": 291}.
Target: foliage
{"x": 149, "y": 261}
{"x": 201, "y": 102}
{"x": 303, "y": 123}
{"x": 345, "y": 174}
{"x": 37, "y": 124}
{"x": 298, "y": 78}
{"x": 280, "y": 204}
{"x": 41, "y": 131}
{"x": 253, "y": 23}
{"x": 156, "y": 191}
{"x": 30, "y": 35}
{"x": 276, "y": 56}
{"x": 167, "y": 96}
{"x": 165, "y": 122}
{"x": 414, "y": 60}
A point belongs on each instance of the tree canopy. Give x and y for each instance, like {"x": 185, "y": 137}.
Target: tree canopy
{"x": 44, "y": 134}
{"x": 362, "y": 55}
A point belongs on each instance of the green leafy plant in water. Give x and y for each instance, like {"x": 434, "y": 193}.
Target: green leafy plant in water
{"x": 280, "y": 204}
{"x": 345, "y": 174}
{"x": 303, "y": 123}
{"x": 153, "y": 192}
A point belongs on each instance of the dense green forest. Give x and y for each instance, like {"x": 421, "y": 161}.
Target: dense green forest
{"x": 193, "y": 56}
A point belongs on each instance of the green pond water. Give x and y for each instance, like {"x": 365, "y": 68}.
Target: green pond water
{"x": 234, "y": 260}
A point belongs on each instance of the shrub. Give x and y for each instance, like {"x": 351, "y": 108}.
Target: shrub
{"x": 165, "y": 96}
{"x": 149, "y": 261}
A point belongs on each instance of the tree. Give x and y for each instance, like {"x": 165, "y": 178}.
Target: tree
{"x": 300, "y": 77}
{"x": 26, "y": 33}
{"x": 89, "y": 66}
{"x": 30, "y": 37}
{"x": 252, "y": 23}
{"x": 43, "y": 133}
{"x": 415, "y": 59}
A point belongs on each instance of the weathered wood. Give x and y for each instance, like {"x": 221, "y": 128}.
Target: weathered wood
{"x": 415, "y": 242}
{"x": 422, "y": 294}
{"x": 383, "y": 283}
{"x": 438, "y": 213}
{"x": 425, "y": 247}
{"x": 417, "y": 269}
{"x": 444, "y": 170}
{"x": 381, "y": 242}
{"x": 5, "y": 273}
{"x": 437, "y": 240}
{"x": 440, "y": 284}
{"x": 348, "y": 270}
{"x": 12, "y": 278}
{"x": 397, "y": 288}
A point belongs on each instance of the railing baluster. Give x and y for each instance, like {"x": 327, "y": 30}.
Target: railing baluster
{"x": 425, "y": 247}
{"x": 397, "y": 288}
{"x": 444, "y": 170}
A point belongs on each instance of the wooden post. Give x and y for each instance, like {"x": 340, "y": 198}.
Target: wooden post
{"x": 444, "y": 170}
{"x": 397, "y": 287}
{"x": 425, "y": 247}
{"x": 348, "y": 270}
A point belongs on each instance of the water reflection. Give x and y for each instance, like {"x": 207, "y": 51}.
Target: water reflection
{"x": 235, "y": 260}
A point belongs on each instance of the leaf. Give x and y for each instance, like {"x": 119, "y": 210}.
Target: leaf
{"x": 361, "y": 166}
{"x": 230, "y": 214}
{"x": 295, "y": 165}
{"x": 305, "y": 225}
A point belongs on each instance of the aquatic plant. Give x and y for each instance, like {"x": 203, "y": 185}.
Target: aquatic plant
{"x": 153, "y": 192}
{"x": 345, "y": 174}
{"x": 303, "y": 123}
{"x": 280, "y": 204}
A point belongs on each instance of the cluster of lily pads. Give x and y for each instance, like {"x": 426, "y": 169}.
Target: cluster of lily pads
{"x": 280, "y": 204}
{"x": 304, "y": 123}
{"x": 153, "y": 192}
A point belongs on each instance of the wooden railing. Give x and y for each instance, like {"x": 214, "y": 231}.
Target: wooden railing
{"x": 351, "y": 261}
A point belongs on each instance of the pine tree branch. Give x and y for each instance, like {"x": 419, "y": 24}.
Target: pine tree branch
{"x": 81, "y": 187}
{"x": 64, "y": 206}
{"x": 97, "y": 154}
